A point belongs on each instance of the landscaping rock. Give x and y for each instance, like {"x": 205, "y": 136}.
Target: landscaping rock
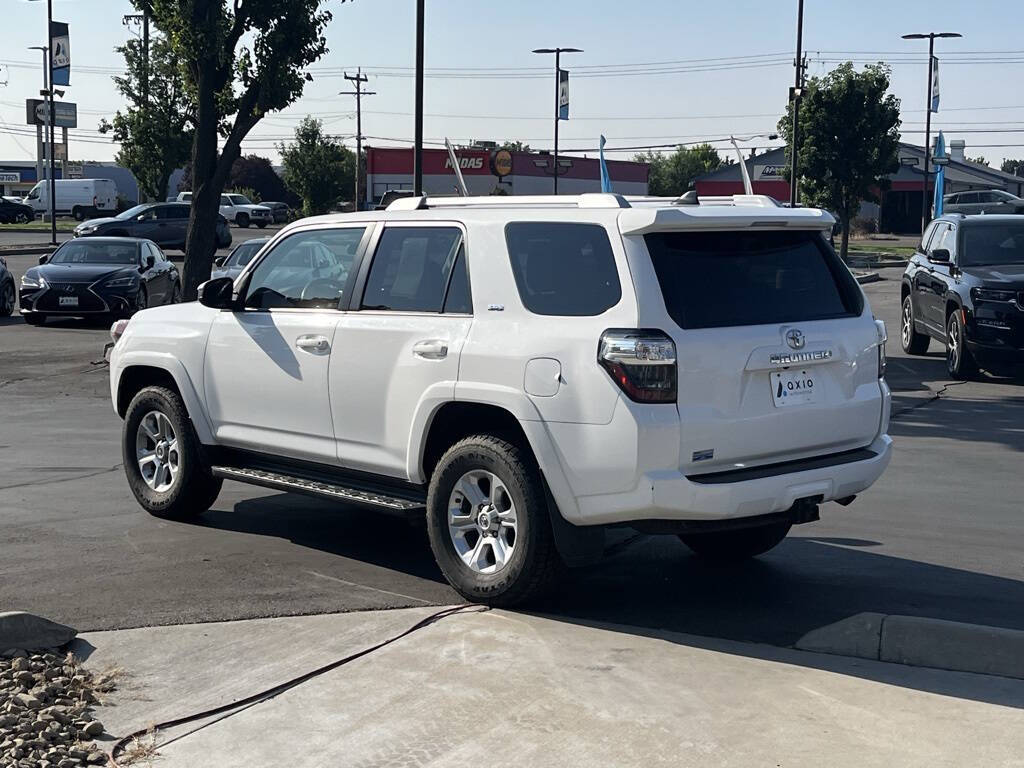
{"x": 20, "y": 630}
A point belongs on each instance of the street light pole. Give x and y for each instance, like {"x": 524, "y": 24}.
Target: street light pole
{"x": 417, "y": 155}
{"x": 558, "y": 69}
{"x": 928, "y": 114}
{"x": 797, "y": 88}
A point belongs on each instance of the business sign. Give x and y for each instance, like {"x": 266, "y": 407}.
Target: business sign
{"x": 563, "y": 94}
{"x": 769, "y": 172}
{"x": 466, "y": 163}
{"x": 501, "y": 163}
{"x": 65, "y": 113}
{"x": 60, "y": 53}
{"x": 7, "y": 177}
{"x": 935, "y": 85}
{"x": 60, "y": 151}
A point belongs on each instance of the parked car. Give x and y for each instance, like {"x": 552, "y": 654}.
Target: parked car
{"x": 238, "y": 209}
{"x": 964, "y": 287}
{"x": 8, "y": 293}
{"x": 507, "y": 371}
{"x": 982, "y": 201}
{"x": 80, "y": 198}
{"x": 281, "y": 212}
{"x": 232, "y": 264}
{"x": 13, "y": 212}
{"x": 166, "y": 224}
{"x": 99, "y": 276}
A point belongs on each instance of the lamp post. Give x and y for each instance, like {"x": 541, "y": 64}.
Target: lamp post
{"x": 48, "y": 79}
{"x": 930, "y": 37}
{"x": 558, "y": 55}
{"x": 417, "y": 152}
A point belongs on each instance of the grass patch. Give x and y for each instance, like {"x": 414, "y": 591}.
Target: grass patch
{"x": 39, "y": 226}
{"x": 881, "y": 247}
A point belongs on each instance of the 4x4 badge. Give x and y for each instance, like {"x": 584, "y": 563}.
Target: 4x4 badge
{"x": 795, "y": 338}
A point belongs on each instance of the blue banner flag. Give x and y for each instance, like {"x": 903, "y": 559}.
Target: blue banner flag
{"x": 935, "y": 85}
{"x": 606, "y": 180}
{"x": 60, "y": 53}
{"x": 563, "y": 94}
{"x": 940, "y": 175}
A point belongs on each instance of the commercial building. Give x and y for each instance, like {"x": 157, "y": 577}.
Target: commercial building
{"x": 18, "y": 177}
{"x": 496, "y": 172}
{"x": 900, "y": 207}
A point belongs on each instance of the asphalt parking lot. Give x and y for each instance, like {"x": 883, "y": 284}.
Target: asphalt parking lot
{"x": 940, "y": 535}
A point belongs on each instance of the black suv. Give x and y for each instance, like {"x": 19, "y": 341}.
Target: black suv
{"x": 166, "y": 224}
{"x": 964, "y": 286}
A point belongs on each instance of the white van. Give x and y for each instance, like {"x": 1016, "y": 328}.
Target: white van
{"x": 81, "y": 198}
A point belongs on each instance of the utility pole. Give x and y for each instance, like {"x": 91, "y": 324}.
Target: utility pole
{"x": 417, "y": 153}
{"x": 558, "y": 81}
{"x": 928, "y": 115}
{"x": 359, "y": 78}
{"x": 142, "y": 18}
{"x": 798, "y": 86}
{"x": 51, "y": 119}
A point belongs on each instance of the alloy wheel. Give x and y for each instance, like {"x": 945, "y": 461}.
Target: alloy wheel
{"x": 907, "y": 326}
{"x": 156, "y": 450}
{"x": 482, "y": 521}
{"x": 953, "y": 345}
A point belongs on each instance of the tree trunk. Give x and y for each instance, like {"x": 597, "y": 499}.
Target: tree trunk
{"x": 202, "y": 225}
{"x": 844, "y": 244}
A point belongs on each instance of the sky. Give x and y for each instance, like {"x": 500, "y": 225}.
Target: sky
{"x": 651, "y": 71}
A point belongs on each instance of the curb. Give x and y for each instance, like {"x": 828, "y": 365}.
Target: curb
{"x": 27, "y": 250}
{"x": 868, "y": 277}
{"x": 922, "y": 642}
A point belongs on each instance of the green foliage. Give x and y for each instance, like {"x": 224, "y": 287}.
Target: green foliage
{"x": 979, "y": 160}
{"x": 317, "y": 168}
{"x": 672, "y": 175}
{"x": 1013, "y": 166}
{"x": 155, "y": 135}
{"x": 257, "y": 174}
{"x": 514, "y": 146}
{"x": 849, "y": 135}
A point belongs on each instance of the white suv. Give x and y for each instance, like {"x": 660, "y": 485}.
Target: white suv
{"x": 523, "y": 372}
{"x": 238, "y": 209}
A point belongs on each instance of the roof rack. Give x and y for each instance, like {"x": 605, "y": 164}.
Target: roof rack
{"x": 585, "y": 200}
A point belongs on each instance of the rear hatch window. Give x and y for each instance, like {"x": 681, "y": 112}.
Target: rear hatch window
{"x": 723, "y": 279}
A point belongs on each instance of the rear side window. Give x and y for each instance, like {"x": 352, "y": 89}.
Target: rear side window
{"x": 562, "y": 268}
{"x": 724, "y": 279}
{"x": 411, "y": 268}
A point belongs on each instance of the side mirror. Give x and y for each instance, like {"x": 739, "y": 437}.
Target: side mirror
{"x": 219, "y": 261}
{"x": 939, "y": 256}
{"x": 217, "y": 293}
{"x": 45, "y": 258}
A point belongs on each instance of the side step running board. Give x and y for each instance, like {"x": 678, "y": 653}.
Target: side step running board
{"x": 284, "y": 482}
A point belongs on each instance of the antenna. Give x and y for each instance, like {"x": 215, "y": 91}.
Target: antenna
{"x": 455, "y": 166}
{"x": 747, "y": 186}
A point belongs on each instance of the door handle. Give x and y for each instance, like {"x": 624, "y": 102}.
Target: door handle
{"x": 313, "y": 343}
{"x": 431, "y": 349}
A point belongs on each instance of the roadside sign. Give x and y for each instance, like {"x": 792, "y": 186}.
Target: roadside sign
{"x": 60, "y": 151}
{"x": 8, "y": 177}
{"x": 563, "y": 94}
{"x": 74, "y": 171}
{"x": 65, "y": 113}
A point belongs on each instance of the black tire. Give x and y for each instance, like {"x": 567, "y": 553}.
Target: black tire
{"x": 242, "y": 220}
{"x": 176, "y": 294}
{"x": 261, "y": 224}
{"x": 534, "y": 564}
{"x": 78, "y": 213}
{"x": 7, "y": 300}
{"x": 959, "y": 361}
{"x": 23, "y": 218}
{"x": 913, "y": 343}
{"x": 141, "y": 300}
{"x": 194, "y": 489}
{"x": 35, "y": 318}
{"x": 741, "y": 544}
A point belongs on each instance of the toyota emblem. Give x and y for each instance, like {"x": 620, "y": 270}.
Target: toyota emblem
{"x": 795, "y": 338}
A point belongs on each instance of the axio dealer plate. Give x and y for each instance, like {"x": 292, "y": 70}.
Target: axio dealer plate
{"x": 793, "y": 388}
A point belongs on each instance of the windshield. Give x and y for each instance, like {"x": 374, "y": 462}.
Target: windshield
{"x": 992, "y": 244}
{"x": 243, "y": 254}
{"x": 131, "y": 213}
{"x": 96, "y": 253}
{"x": 239, "y": 200}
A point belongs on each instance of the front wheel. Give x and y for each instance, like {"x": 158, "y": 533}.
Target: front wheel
{"x": 959, "y": 361}
{"x": 242, "y": 220}
{"x": 736, "y": 545}
{"x": 78, "y": 213}
{"x": 163, "y": 458}
{"x": 487, "y": 518}
{"x": 23, "y": 218}
{"x": 913, "y": 343}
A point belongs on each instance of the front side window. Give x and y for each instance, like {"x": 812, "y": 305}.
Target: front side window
{"x": 307, "y": 270}
{"x": 411, "y": 269}
{"x": 563, "y": 268}
{"x": 969, "y": 198}
{"x": 945, "y": 237}
{"x": 240, "y": 200}
{"x": 243, "y": 254}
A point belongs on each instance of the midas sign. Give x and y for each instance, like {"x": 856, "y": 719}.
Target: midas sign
{"x": 466, "y": 163}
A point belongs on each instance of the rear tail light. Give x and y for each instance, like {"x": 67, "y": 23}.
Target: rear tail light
{"x": 642, "y": 362}
{"x": 883, "y": 337}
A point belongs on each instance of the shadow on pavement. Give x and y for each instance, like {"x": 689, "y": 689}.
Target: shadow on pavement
{"x": 970, "y": 420}
{"x": 649, "y": 584}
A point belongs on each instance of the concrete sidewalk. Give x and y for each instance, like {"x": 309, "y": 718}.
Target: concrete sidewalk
{"x": 506, "y": 689}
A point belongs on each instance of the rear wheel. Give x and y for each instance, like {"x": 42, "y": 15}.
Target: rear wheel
{"x": 913, "y": 343}
{"x": 242, "y": 220}
{"x": 736, "y": 545}
{"x": 78, "y": 213}
{"x": 7, "y": 300}
{"x": 487, "y": 518}
{"x": 163, "y": 459}
{"x": 261, "y": 224}
{"x": 959, "y": 361}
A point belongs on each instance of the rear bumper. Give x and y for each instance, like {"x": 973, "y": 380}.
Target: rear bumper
{"x": 669, "y": 495}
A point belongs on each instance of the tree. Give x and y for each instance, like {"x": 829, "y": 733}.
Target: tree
{"x": 979, "y": 160}
{"x": 317, "y": 167}
{"x": 1016, "y": 167}
{"x": 849, "y": 134}
{"x": 256, "y": 173}
{"x": 671, "y": 175}
{"x": 514, "y": 146}
{"x": 155, "y": 134}
{"x": 242, "y": 59}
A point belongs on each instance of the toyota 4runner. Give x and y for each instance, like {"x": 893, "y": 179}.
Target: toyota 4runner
{"x": 524, "y": 373}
